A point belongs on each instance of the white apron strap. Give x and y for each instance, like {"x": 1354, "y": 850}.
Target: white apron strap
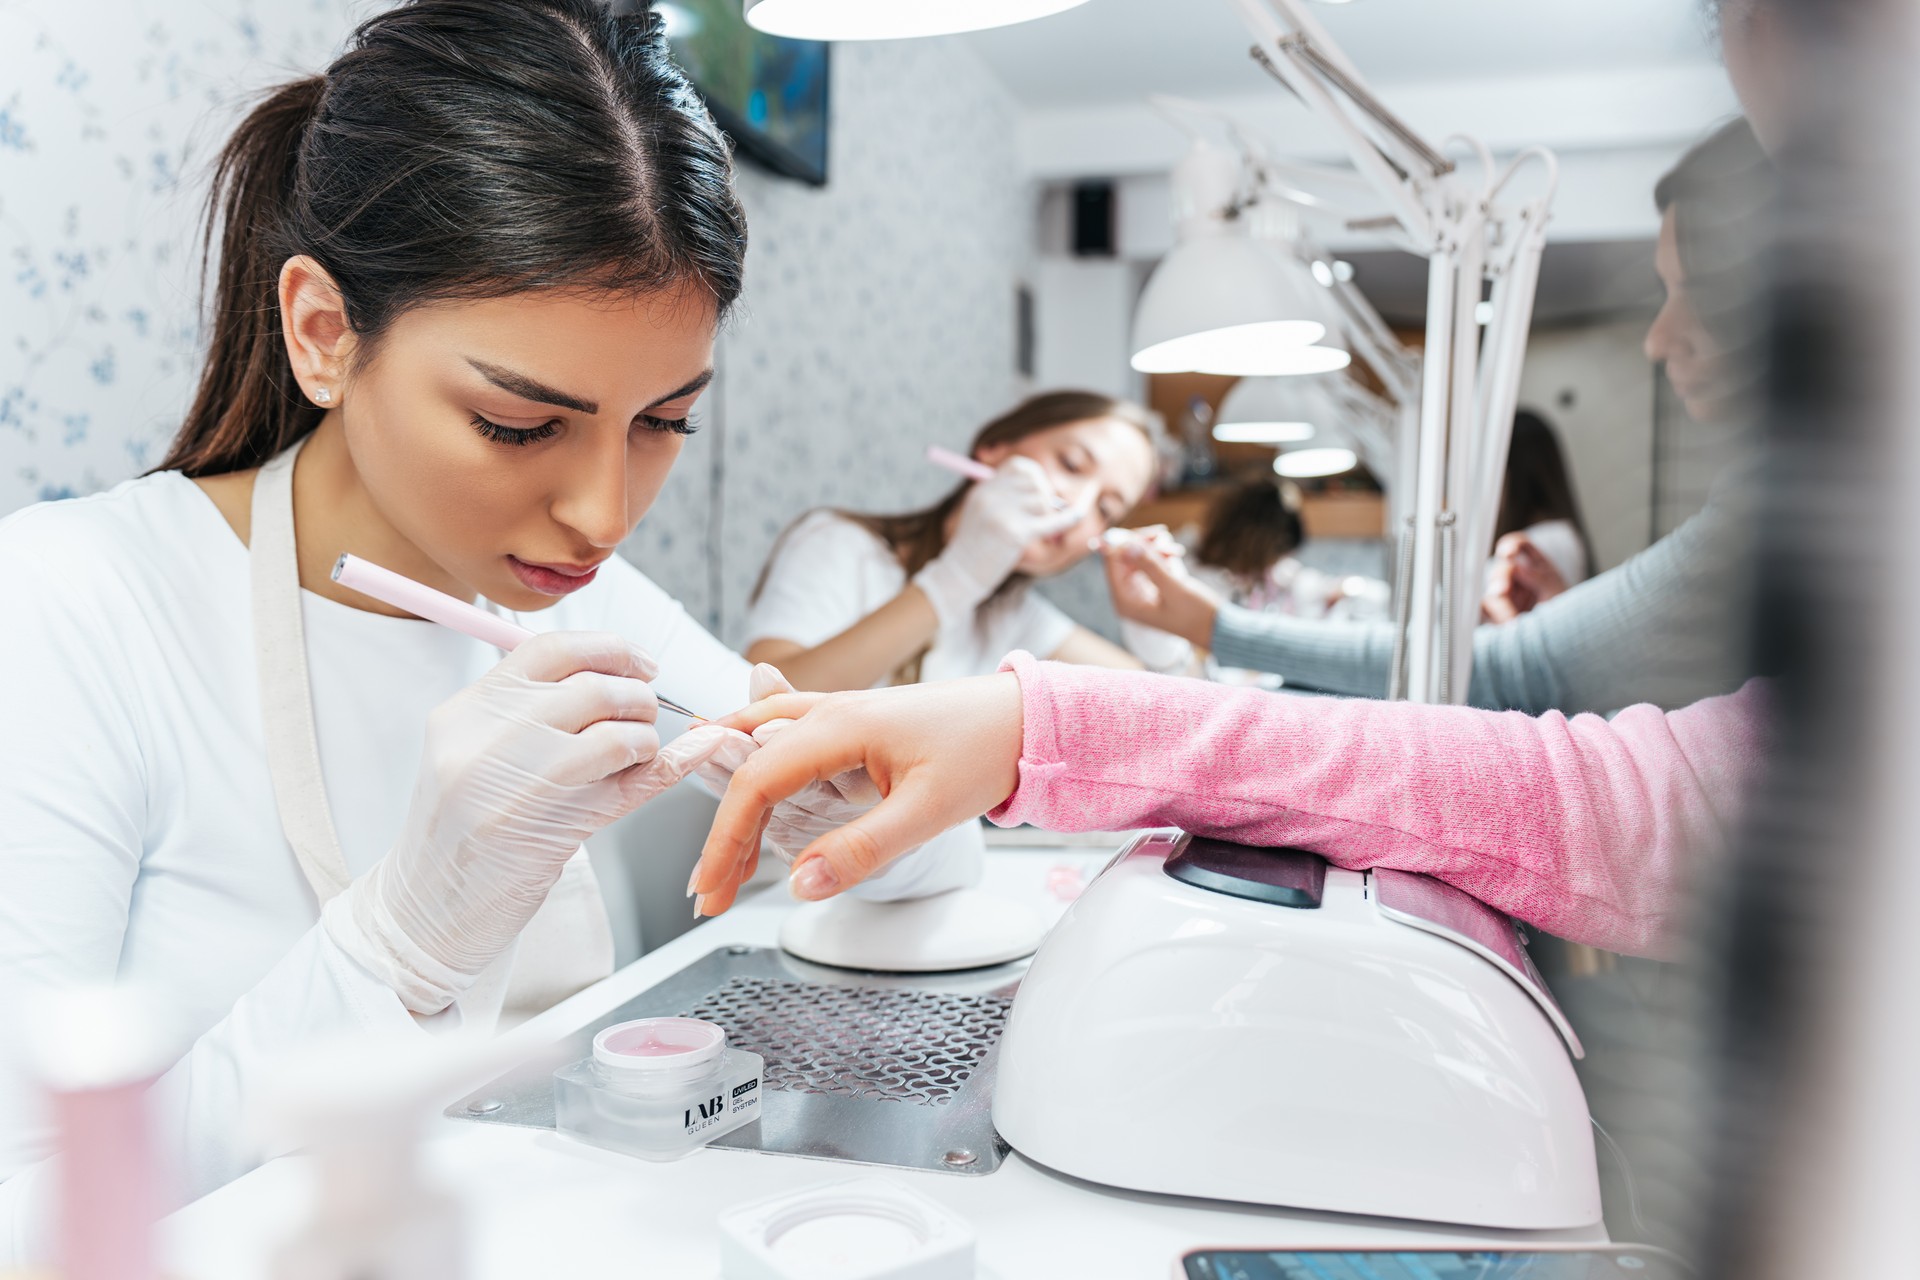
{"x": 286, "y": 697}
{"x": 568, "y": 945}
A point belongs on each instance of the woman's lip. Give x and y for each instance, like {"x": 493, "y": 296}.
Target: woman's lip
{"x": 552, "y": 580}
{"x": 565, "y": 570}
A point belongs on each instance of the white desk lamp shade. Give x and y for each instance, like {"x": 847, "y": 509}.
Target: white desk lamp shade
{"x": 892, "y": 19}
{"x": 1321, "y": 460}
{"x": 1228, "y": 304}
{"x": 1271, "y": 411}
{"x": 1333, "y": 450}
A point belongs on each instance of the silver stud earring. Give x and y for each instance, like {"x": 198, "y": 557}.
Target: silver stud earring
{"x": 323, "y": 395}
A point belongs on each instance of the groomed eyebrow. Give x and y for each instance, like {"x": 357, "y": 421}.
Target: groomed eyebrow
{"x": 698, "y": 385}
{"x": 529, "y": 389}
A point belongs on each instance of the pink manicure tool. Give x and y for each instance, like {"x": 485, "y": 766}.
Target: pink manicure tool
{"x": 959, "y": 464}
{"x": 971, "y": 468}
{"x": 422, "y": 601}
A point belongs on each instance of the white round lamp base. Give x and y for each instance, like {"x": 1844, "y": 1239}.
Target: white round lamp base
{"x": 958, "y": 929}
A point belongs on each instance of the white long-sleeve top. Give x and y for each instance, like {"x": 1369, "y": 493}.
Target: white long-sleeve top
{"x": 138, "y": 835}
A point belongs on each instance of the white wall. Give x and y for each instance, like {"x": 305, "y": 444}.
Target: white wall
{"x": 1083, "y": 314}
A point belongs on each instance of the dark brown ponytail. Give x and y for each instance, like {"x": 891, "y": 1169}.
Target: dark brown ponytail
{"x": 247, "y": 407}
{"x": 458, "y": 149}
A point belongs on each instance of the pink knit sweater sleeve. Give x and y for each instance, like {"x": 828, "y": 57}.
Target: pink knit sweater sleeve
{"x": 1585, "y": 827}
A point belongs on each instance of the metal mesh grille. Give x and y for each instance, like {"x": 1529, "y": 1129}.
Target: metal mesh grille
{"x": 858, "y": 1042}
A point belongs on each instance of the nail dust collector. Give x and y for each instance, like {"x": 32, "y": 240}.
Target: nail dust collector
{"x": 1250, "y": 1024}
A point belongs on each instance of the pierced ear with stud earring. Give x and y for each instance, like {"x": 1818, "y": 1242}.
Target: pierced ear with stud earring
{"x": 323, "y": 395}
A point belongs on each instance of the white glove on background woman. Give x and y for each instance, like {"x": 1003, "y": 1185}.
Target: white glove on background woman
{"x": 817, "y": 808}
{"x": 551, "y": 745}
{"x": 1160, "y": 651}
{"x": 999, "y": 519}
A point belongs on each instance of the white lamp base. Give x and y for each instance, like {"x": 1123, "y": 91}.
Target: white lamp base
{"x": 958, "y": 929}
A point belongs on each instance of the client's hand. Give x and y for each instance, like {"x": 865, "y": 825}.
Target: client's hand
{"x": 938, "y": 755}
{"x": 800, "y": 818}
{"x": 1150, "y": 585}
{"x": 1522, "y": 579}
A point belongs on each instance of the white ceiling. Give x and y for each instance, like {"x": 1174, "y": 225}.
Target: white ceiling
{"x": 1617, "y": 89}
{"x": 1114, "y": 51}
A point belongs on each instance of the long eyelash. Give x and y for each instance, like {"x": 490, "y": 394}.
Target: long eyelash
{"x": 679, "y": 426}
{"x": 512, "y": 435}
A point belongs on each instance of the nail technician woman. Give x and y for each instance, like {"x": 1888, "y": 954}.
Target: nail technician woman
{"x": 853, "y": 601}
{"x": 287, "y": 811}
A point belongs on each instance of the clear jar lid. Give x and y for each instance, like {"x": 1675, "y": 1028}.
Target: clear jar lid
{"x": 658, "y": 1049}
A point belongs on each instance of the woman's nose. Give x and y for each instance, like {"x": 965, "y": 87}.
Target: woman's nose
{"x": 1661, "y": 334}
{"x": 595, "y": 504}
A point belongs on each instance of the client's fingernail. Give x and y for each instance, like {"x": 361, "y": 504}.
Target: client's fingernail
{"x": 814, "y": 879}
{"x": 692, "y": 878}
{"x": 700, "y": 906}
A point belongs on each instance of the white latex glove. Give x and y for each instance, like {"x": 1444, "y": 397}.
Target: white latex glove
{"x": 999, "y": 519}
{"x": 1158, "y": 650}
{"x": 820, "y": 807}
{"x": 551, "y": 745}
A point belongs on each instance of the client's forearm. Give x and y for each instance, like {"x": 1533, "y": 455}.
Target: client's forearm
{"x": 1584, "y": 827}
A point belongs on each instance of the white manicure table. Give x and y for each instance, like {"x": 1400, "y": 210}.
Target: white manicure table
{"x": 538, "y": 1204}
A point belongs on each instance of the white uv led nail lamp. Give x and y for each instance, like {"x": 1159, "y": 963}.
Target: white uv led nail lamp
{"x": 1253, "y": 1025}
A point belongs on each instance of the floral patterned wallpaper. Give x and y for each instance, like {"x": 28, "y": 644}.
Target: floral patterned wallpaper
{"x": 878, "y": 317}
{"x": 108, "y": 113}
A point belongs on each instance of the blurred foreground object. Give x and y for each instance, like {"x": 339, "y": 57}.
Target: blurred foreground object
{"x": 98, "y": 1052}
{"x": 1818, "y": 1161}
{"x": 356, "y": 1107}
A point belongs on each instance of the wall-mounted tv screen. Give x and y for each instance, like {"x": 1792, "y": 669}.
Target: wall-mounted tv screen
{"x": 769, "y": 94}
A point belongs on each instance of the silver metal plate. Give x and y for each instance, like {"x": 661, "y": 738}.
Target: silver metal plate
{"x": 867, "y": 1068}
{"x": 862, "y": 1043}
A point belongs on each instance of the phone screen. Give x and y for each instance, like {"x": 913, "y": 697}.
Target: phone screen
{"x": 1599, "y": 1264}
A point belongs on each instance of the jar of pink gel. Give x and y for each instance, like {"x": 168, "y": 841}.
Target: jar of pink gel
{"x": 658, "y": 1088}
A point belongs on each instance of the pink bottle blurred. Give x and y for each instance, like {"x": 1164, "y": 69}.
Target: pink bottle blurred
{"x": 99, "y": 1053}
{"x": 108, "y": 1197}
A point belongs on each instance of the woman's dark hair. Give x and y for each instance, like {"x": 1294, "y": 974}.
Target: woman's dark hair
{"x": 458, "y": 149}
{"x": 1729, "y": 152}
{"x": 1538, "y": 488}
{"x": 1250, "y": 527}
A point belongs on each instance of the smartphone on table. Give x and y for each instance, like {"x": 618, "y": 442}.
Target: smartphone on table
{"x": 1573, "y": 1262}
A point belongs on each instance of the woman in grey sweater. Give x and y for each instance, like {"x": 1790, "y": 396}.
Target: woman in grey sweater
{"x": 1664, "y": 626}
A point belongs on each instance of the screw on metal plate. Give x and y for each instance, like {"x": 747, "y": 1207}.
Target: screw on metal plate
{"x": 737, "y": 950}
{"x": 483, "y": 1106}
{"x": 959, "y": 1158}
